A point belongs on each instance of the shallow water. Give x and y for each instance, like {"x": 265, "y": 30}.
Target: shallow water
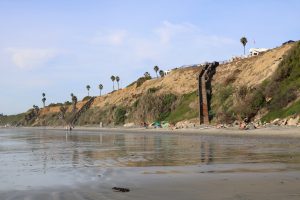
{"x": 41, "y": 159}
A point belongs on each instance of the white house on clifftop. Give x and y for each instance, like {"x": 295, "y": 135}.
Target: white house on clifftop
{"x": 256, "y": 51}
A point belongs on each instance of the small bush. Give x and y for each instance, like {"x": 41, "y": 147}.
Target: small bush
{"x": 225, "y": 93}
{"x": 167, "y": 102}
{"x": 67, "y": 103}
{"x": 153, "y": 90}
{"x": 55, "y": 104}
{"x": 86, "y": 98}
{"x": 242, "y": 92}
{"x": 282, "y": 112}
{"x": 282, "y": 100}
{"x": 183, "y": 110}
{"x": 141, "y": 80}
{"x": 120, "y": 115}
{"x": 136, "y": 103}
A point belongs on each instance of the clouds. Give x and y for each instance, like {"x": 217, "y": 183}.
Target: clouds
{"x": 115, "y": 38}
{"x": 169, "y": 30}
{"x": 173, "y": 43}
{"x": 29, "y": 58}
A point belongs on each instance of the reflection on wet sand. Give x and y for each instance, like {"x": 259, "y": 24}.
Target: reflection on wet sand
{"x": 34, "y": 158}
{"x": 129, "y": 150}
{"x": 140, "y": 150}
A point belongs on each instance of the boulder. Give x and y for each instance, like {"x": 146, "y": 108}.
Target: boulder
{"x": 220, "y": 126}
{"x": 185, "y": 124}
{"x": 243, "y": 126}
{"x": 129, "y": 125}
{"x": 283, "y": 122}
{"x": 236, "y": 124}
{"x": 275, "y": 121}
{"x": 293, "y": 121}
{"x": 250, "y": 126}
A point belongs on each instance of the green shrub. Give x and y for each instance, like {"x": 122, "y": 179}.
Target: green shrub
{"x": 283, "y": 113}
{"x": 55, "y": 104}
{"x": 136, "y": 103}
{"x": 86, "y": 98}
{"x": 221, "y": 104}
{"x": 120, "y": 115}
{"x": 183, "y": 110}
{"x": 153, "y": 89}
{"x": 285, "y": 82}
{"x": 250, "y": 104}
{"x": 167, "y": 102}
{"x": 225, "y": 93}
{"x": 67, "y": 103}
{"x": 242, "y": 91}
{"x": 284, "y": 85}
{"x": 141, "y": 80}
{"x": 12, "y": 119}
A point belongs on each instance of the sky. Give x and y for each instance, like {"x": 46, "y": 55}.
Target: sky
{"x": 60, "y": 46}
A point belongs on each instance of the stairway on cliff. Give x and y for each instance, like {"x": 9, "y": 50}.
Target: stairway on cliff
{"x": 204, "y": 78}
{"x": 84, "y": 108}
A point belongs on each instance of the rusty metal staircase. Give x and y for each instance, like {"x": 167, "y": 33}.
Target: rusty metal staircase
{"x": 84, "y": 108}
{"x": 204, "y": 78}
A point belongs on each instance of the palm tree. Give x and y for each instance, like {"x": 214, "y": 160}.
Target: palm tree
{"x": 44, "y": 99}
{"x": 88, "y": 87}
{"x": 161, "y": 73}
{"x": 36, "y": 109}
{"x": 113, "y": 78}
{"x": 147, "y": 74}
{"x": 244, "y": 42}
{"x": 156, "y": 70}
{"x": 100, "y": 88}
{"x": 74, "y": 101}
{"x": 118, "y": 79}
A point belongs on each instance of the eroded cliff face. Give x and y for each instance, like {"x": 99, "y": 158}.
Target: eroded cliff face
{"x": 174, "y": 97}
{"x": 251, "y": 71}
{"x": 241, "y": 89}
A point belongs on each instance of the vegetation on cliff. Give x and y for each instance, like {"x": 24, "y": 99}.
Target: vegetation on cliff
{"x": 274, "y": 98}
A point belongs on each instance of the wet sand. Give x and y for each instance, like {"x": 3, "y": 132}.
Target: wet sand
{"x": 54, "y": 164}
{"x": 278, "y": 131}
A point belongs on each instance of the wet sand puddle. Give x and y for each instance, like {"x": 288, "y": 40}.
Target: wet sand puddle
{"x": 44, "y": 164}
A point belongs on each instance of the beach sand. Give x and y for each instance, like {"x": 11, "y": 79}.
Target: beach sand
{"x": 153, "y": 164}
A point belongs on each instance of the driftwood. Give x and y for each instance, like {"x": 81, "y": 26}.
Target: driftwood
{"x": 119, "y": 189}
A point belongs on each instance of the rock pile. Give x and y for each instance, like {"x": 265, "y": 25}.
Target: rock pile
{"x": 293, "y": 121}
{"x": 185, "y": 124}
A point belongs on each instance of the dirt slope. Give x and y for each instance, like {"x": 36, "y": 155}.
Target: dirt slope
{"x": 179, "y": 81}
{"x": 253, "y": 70}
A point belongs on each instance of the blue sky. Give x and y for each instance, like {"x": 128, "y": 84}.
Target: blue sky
{"x": 58, "y": 47}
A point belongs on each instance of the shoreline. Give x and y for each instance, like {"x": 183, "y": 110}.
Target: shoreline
{"x": 288, "y": 131}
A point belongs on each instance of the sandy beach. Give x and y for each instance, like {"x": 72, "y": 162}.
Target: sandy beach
{"x": 86, "y": 164}
{"x": 284, "y": 131}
